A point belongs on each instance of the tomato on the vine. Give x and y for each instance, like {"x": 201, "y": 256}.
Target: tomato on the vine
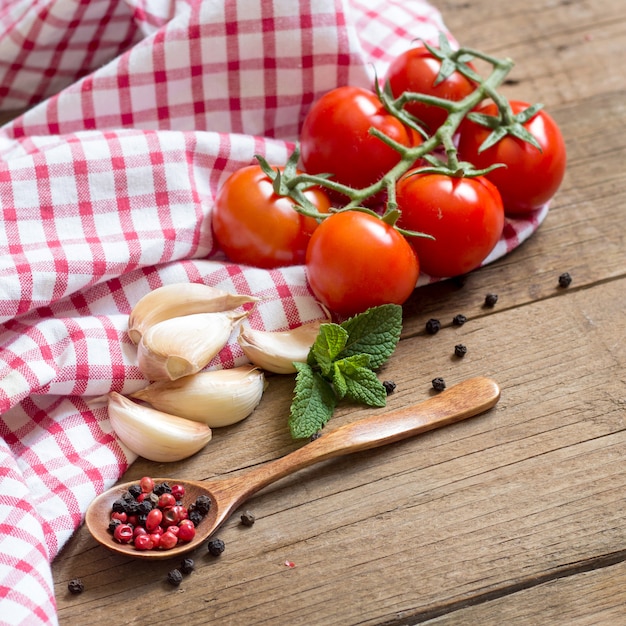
{"x": 416, "y": 70}
{"x": 464, "y": 215}
{"x": 356, "y": 261}
{"x": 335, "y": 137}
{"x": 531, "y": 176}
{"x": 255, "y": 226}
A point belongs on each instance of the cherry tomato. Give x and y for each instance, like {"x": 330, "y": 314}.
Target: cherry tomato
{"x": 416, "y": 70}
{"x": 464, "y": 215}
{"x": 335, "y": 138}
{"x": 531, "y": 176}
{"x": 356, "y": 261}
{"x": 254, "y": 226}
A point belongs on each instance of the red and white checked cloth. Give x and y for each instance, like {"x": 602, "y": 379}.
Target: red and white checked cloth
{"x": 139, "y": 109}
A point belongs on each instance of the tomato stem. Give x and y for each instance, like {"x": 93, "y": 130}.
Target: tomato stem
{"x": 424, "y": 154}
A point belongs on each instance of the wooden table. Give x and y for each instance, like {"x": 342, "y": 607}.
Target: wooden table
{"x": 514, "y": 517}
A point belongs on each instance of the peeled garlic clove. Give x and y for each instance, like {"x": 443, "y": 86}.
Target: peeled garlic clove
{"x": 155, "y": 435}
{"x": 276, "y": 351}
{"x": 182, "y": 346}
{"x": 217, "y": 398}
{"x": 180, "y": 299}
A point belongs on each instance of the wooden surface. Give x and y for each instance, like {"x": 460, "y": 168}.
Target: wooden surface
{"x": 517, "y": 516}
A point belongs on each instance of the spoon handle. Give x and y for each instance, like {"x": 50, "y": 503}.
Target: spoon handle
{"x": 466, "y": 399}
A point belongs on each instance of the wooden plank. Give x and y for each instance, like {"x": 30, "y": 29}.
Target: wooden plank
{"x": 590, "y": 598}
{"x": 529, "y": 488}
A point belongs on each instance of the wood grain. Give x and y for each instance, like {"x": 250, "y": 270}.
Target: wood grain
{"x": 516, "y": 516}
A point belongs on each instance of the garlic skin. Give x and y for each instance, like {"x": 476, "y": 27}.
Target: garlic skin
{"x": 216, "y": 398}
{"x": 180, "y": 299}
{"x": 276, "y": 351}
{"x": 155, "y": 435}
{"x": 182, "y": 346}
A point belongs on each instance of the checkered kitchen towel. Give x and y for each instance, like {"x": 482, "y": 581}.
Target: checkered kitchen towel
{"x": 138, "y": 110}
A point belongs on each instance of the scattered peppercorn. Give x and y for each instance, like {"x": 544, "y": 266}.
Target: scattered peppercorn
{"x": 389, "y": 386}
{"x": 174, "y": 577}
{"x": 76, "y": 586}
{"x": 460, "y": 350}
{"x": 247, "y": 518}
{"x": 316, "y": 435}
{"x": 433, "y": 326}
{"x": 187, "y": 566}
{"x": 216, "y": 547}
{"x": 491, "y": 299}
{"x": 459, "y": 320}
{"x": 565, "y": 279}
{"x": 439, "y": 384}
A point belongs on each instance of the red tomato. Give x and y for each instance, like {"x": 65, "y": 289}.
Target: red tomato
{"x": 416, "y": 70}
{"x": 335, "y": 138}
{"x": 254, "y": 226}
{"x": 531, "y": 176}
{"x": 464, "y": 215}
{"x": 356, "y": 261}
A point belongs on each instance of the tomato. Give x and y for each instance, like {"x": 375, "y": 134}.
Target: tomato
{"x": 531, "y": 176}
{"x": 356, "y": 261}
{"x": 416, "y": 70}
{"x": 464, "y": 215}
{"x": 335, "y": 138}
{"x": 254, "y": 226}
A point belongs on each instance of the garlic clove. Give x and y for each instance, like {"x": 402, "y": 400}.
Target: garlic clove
{"x": 155, "y": 435}
{"x": 276, "y": 351}
{"x": 178, "y": 299}
{"x": 217, "y": 398}
{"x": 182, "y": 346}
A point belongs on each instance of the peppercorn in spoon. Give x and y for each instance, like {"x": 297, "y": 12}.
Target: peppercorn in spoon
{"x": 466, "y": 399}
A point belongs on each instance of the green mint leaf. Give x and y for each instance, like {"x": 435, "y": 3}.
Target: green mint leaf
{"x": 375, "y": 332}
{"x": 361, "y": 384}
{"x": 313, "y": 404}
{"x": 347, "y": 367}
{"x": 329, "y": 343}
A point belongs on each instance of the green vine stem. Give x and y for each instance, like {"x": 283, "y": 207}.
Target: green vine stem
{"x": 293, "y": 183}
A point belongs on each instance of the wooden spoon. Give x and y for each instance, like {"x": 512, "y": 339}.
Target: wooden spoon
{"x": 464, "y": 400}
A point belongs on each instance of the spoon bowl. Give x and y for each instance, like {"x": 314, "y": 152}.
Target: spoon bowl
{"x": 466, "y": 399}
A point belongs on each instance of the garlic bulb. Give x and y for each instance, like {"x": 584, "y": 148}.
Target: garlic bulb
{"x": 217, "y": 398}
{"x": 182, "y": 346}
{"x": 155, "y": 435}
{"x": 276, "y": 351}
{"x": 180, "y": 299}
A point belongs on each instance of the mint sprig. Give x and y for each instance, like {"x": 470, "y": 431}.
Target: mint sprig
{"x": 341, "y": 365}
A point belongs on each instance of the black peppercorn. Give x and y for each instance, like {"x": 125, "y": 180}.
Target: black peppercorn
{"x": 459, "y": 320}
{"x": 216, "y": 547}
{"x": 203, "y": 504}
{"x": 113, "y": 524}
{"x": 187, "y": 566}
{"x": 134, "y": 491}
{"x": 565, "y": 280}
{"x": 491, "y": 299}
{"x": 76, "y": 586}
{"x": 119, "y": 506}
{"x": 247, "y": 518}
{"x": 174, "y": 577}
{"x": 433, "y": 326}
{"x": 195, "y": 516}
{"x": 439, "y": 384}
{"x": 460, "y": 350}
{"x": 389, "y": 386}
{"x": 315, "y": 436}
{"x": 162, "y": 488}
